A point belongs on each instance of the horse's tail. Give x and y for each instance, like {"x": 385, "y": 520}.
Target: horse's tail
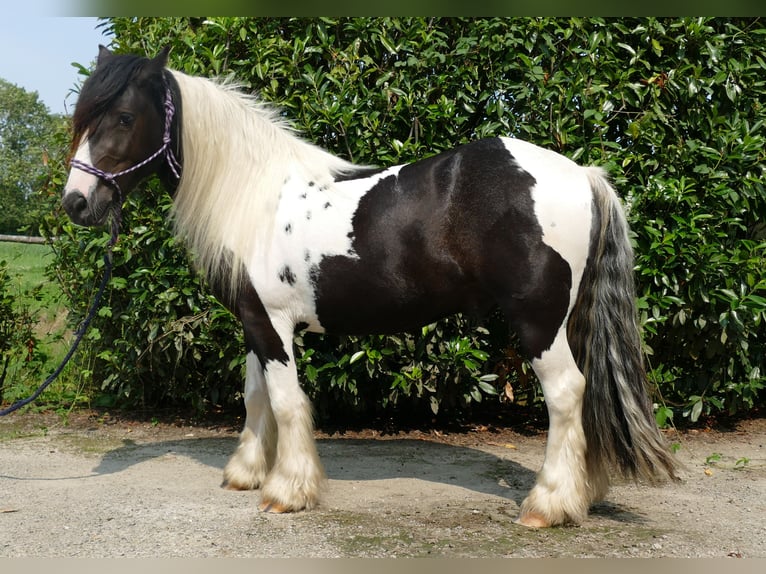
{"x": 604, "y": 336}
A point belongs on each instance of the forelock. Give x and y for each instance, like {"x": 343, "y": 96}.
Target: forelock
{"x": 101, "y": 89}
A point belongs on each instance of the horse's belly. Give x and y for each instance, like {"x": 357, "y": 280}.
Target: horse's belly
{"x": 352, "y": 298}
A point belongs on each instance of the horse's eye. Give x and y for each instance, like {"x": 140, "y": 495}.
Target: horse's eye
{"x": 126, "y": 119}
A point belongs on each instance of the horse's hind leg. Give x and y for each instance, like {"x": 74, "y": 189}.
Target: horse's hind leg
{"x": 561, "y": 493}
{"x": 248, "y": 466}
{"x": 537, "y": 310}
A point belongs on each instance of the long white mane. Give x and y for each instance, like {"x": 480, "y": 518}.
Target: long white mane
{"x": 237, "y": 155}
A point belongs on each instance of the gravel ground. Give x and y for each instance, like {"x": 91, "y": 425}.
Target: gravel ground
{"x": 108, "y": 487}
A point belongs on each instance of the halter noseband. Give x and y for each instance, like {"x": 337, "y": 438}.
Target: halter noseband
{"x": 175, "y": 166}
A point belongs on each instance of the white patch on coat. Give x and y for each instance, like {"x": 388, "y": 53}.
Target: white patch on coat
{"x": 562, "y": 196}
{"x": 312, "y": 222}
{"x": 78, "y": 179}
{"x": 237, "y": 154}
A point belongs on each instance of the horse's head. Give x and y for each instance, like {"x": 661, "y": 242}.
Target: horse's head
{"x": 122, "y": 128}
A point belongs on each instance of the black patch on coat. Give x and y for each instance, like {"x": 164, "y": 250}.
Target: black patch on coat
{"x": 260, "y": 335}
{"x": 289, "y": 228}
{"x": 452, "y": 233}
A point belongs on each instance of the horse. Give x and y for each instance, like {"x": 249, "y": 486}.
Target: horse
{"x": 292, "y": 237}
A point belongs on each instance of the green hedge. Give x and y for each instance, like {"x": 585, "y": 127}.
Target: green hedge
{"x": 673, "y": 108}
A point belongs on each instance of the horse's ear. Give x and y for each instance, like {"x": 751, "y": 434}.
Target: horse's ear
{"x": 161, "y": 59}
{"x": 103, "y": 55}
{"x": 155, "y": 65}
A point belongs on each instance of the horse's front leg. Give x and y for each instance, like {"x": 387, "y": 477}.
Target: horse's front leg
{"x": 295, "y": 481}
{"x": 276, "y": 451}
{"x": 248, "y": 466}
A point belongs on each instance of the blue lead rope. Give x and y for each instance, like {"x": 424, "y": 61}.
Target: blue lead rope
{"x": 80, "y": 333}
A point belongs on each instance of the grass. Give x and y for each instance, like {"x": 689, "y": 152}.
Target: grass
{"x": 26, "y": 265}
{"x": 43, "y": 300}
{"x": 27, "y": 260}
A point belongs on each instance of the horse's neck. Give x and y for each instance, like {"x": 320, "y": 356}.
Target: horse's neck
{"x": 238, "y": 157}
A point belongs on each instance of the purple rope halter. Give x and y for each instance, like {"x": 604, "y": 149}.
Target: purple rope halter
{"x": 175, "y": 167}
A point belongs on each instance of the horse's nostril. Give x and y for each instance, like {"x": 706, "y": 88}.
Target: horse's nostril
{"x": 76, "y": 206}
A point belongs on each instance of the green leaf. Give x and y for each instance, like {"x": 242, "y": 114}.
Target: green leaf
{"x": 387, "y": 44}
{"x": 487, "y": 388}
{"x": 696, "y": 411}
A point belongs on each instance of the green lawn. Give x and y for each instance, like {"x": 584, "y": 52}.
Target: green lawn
{"x": 26, "y": 266}
{"x": 26, "y": 260}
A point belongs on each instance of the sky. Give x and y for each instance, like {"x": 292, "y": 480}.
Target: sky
{"x": 37, "y": 51}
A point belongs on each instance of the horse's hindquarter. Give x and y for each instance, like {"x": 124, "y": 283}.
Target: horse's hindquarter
{"x": 410, "y": 244}
{"x": 563, "y": 200}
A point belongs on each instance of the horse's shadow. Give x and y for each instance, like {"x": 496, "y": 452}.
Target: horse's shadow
{"x": 371, "y": 460}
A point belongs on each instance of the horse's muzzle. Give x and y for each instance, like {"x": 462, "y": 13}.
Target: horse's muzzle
{"x": 81, "y": 212}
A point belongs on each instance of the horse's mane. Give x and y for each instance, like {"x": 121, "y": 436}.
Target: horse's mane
{"x": 237, "y": 155}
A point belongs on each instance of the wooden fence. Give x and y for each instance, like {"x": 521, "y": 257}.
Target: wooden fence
{"x": 22, "y": 238}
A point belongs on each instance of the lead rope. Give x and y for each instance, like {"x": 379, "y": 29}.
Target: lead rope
{"x": 80, "y": 333}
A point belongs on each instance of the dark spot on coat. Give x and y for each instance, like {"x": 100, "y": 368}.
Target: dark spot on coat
{"x": 311, "y": 184}
{"x": 287, "y": 276}
{"x": 304, "y": 195}
{"x": 307, "y": 255}
{"x": 328, "y": 204}
{"x": 289, "y": 228}
{"x": 308, "y": 215}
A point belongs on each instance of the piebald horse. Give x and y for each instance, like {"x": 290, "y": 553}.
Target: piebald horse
{"x": 290, "y": 236}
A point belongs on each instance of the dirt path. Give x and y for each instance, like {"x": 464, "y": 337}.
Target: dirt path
{"x": 100, "y": 488}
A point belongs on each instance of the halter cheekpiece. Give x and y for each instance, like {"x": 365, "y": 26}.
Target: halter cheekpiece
{"x": 175, "y": 166}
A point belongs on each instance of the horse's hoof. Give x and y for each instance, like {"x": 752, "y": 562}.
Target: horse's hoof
{"x": 226, "y": 485}
{"x": 532, "y": 520}
{"x": 273, "y": 507}
{"x": 231, "y": 483}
